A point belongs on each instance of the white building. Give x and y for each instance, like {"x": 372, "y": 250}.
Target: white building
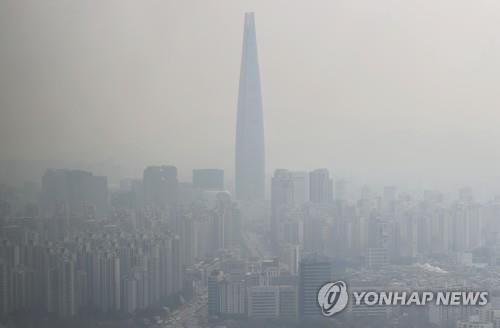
{"x": 263, "y": 302}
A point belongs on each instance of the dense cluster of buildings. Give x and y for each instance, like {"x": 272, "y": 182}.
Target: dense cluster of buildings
{"x": 266, "y": 290}
{"x": 378, "y": 228}
{"x": 83, "y": 249}
{"x": 94, "y": 272}
{"x": 77, "y": 247}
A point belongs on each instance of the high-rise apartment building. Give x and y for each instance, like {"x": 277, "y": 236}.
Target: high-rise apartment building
{"x": 75, "y": 192}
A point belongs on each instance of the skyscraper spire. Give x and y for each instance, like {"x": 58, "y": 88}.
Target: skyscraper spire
{"x": 250, "y": 158}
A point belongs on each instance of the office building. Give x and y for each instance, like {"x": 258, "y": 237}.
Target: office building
{"x": 263, "y": 302}
{"x": 320, "y": 186}
{"x": 161, "y": 187}
{"x": 282, "y": 199}
{"x": 314, "y": 272}
{"x": 208, "y": 179}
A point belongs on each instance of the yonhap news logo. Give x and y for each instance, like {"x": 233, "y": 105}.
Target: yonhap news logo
{"x": 333, "y": 297}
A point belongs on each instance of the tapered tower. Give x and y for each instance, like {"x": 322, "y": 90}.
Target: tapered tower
{"x": 250, "y": 157}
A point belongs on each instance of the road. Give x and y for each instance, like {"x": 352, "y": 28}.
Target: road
{"x": 191, "y": 315}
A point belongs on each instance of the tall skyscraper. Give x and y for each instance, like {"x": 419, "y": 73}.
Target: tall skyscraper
{"x": 250, "y": 166}
{"x": 225, "y": 223}
{"x": 281, "y": 200}
{"x": 300, "y": 187}
{"x": 161, "y": 187}
{"x": 320, "y": 186}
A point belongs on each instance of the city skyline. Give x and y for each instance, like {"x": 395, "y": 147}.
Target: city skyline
{"x": 346, "y": 176}
{"x": 347, "y": 87}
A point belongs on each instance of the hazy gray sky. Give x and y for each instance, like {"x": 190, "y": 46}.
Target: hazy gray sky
{"x": 383, "y": 90}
